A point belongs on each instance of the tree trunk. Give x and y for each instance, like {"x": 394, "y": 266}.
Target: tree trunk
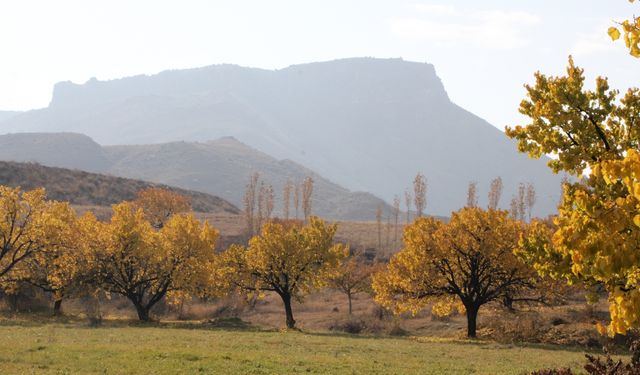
{"x": 57, "y": 307}
{"x": 472, "y": 317}
{"x": 349, "y": 297}
{"x": 507, "y": 301}
{"x": 143, "y": 312}
{"x": 286, "y": 300}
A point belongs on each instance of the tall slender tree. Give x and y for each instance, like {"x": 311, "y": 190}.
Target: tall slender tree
{"x": 495, "y": 193}
{"x": 420, "y": 194}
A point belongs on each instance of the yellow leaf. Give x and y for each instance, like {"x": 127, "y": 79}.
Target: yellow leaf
{"x": 614, "y": 33}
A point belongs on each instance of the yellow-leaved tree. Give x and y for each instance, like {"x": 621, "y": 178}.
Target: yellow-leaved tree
{"x": 596, "y": 233}
{"x": 67, "y": 267}
{"x": 160, "y": 204}
{"x": 286, "y": 258}
{"x": 353, "y": 277}
{"x": 144, "y": 265}
{"x": 463, "y": 264}
{"x": 30, "y": 225}
{"x": 631, "y": 31}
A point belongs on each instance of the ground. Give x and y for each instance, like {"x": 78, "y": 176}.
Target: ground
{"x": 181, "y": 348}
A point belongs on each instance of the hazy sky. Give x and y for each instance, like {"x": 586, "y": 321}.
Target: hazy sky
{"x": 482, "y": 50}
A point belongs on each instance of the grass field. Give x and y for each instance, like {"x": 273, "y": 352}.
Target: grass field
{"x": 121, "y": 348}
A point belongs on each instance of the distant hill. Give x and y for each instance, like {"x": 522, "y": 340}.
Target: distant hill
{"x": 83, "y": 188}
{"x": 366, "y": 124}
{"x": 220, "y": 167}
{"x": 4, "y": 115}
{"x": 65, "y": 150}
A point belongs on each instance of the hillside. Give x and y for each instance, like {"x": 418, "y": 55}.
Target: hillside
{"x": 5, "y": 115}
{"x": 366, "y": 124}
{"x": 221, "y": 167}
{"x": 83, "y": 188}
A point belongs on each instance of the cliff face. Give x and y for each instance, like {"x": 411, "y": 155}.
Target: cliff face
{"x": 366, "y": 124}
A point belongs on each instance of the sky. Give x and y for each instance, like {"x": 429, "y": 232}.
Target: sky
{"x": 484, "y": 51}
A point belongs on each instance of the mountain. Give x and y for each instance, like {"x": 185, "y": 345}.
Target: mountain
{"x": 221, "y": 167}
{"x": 366, "y": 124}
{"x": 83, "y": 188}
{"x": 4, "y": 115}
{"x": 65, "y": 150}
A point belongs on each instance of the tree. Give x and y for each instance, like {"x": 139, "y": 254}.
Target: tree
{"x": 249, "y": 199}
{"x": 596, "y": 239}
{"x": 286, "y": 258}
{"x": 29, "y": 226}
{"x": 530, "y": 199}
{"x": 420, "y": 194}
{"x": 470, "y": 258}
{"x": 408, "y": 198}
{"x": 379, "y": 225}
{"x": 472, "y": 194}
{"x": 631, "y": 30}
{"x": 307, "y": 191}
{"x": 286, "y": 198}
{"x": 495, "y": 193}
{"x": 160, "y": 204}
{"x": 396, "y": 218}
{"x": 67, "y": 267}
{"x": 296, "y": 199}
{"x": 144, "y": 265}
{"x": 351, "y": 278}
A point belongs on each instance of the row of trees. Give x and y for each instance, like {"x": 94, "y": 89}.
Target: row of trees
{"x": 259, "y": 201}
{"x": 153, "y": 248}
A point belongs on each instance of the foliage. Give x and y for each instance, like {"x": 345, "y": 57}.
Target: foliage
{"x": 469, "y": 258}
{"x": 144, "y": 265}
{"x": 30, "y": 225}
{"x": 160, "y": 204}
{"x": 288, "y": 259}
{"x": 597, "y": 230}
{"x": 631, "y": 31}
{"x": 352, "y": 277}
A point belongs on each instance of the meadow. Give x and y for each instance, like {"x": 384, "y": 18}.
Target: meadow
{"x": 121, "y": 347}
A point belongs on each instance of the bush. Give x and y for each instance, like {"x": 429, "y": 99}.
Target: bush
{"x": 353, "y": 326}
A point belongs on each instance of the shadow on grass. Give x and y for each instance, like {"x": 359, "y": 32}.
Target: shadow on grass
{"x": 237, "y": 324}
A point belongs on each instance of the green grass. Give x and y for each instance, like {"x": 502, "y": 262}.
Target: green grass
{"x": 71, "y": 348}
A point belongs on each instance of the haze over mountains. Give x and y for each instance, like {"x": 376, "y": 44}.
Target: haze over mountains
{"x": 365, "y": 124}
{"x": 221, "y": 167}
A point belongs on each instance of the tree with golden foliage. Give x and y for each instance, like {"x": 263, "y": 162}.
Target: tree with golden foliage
{"x": 495, "y": 193}
{"x": 420, "y": 194}
{"x": 160, "y": 204}
{"x": 286, "y": 258}
{"x": 597, "y": 233}
{"x": 145, "y": 265}
{"x": 67, "y": 267}
{"x": 30, "y": 225}
{"x": 465, "y": 263}
{"x": 353, "y": 277}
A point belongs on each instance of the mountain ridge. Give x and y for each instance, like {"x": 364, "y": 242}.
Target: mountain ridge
{"x": 367, "y": 124}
